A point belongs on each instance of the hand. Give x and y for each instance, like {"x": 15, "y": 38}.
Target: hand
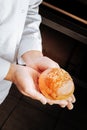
{"x": 37, "y": 61}
{"x": 26, "y": 80}
{"x": 64, "y": 103}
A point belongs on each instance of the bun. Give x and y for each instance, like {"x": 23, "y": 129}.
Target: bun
{"x": 56, "y": 84}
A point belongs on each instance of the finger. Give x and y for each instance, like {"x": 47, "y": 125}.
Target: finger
{"x": 46, "y": 63}
{"x": 71, "y": 99}
{"x": 36, "y": 96}
{"x": 63, "y": 106}
{"x": 40, "y": 97}
{"x": 59, "y": 102}
{"x": 29, "y": 89}
{"x": 70, "y": 106}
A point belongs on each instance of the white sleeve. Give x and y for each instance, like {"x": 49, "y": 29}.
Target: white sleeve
{"x": 4, "y": 68}
{"x": 31, "y": 38}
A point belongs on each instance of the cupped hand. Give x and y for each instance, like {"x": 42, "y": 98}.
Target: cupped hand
{"x": 40, "y": 63}
{"x": 37, "y": 61}
{"x": 26, "y": 80}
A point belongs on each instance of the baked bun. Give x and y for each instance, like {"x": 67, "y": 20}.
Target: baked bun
{"x": 56, "y": 84}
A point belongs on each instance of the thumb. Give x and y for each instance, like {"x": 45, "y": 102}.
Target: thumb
{"x": 45, "y": 63}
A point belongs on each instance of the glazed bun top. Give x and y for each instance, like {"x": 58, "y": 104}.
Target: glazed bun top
{"x": 56, "y": 84}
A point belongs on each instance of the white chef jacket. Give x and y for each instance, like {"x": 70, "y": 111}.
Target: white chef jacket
{"x": 19, "y": 32}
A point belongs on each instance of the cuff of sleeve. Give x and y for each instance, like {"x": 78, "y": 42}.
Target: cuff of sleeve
{"x": 4, "y": 68}
{"x": 21, "y": 61}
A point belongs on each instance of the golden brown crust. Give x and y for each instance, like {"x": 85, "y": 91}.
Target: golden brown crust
{"x": 52, "y": 80}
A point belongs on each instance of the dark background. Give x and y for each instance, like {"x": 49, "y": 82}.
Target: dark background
{"x": 19, "y": 112}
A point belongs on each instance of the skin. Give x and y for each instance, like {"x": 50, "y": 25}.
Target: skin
{"x": 26, "y": 77}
